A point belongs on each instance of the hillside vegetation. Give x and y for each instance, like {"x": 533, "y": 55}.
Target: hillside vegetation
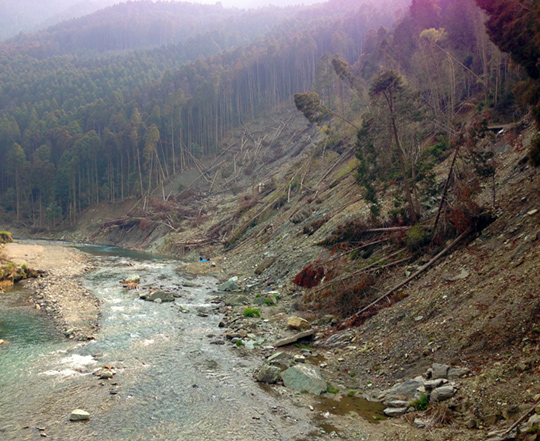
{"x": 375, "y": 169}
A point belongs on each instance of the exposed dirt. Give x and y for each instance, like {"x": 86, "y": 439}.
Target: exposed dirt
{"x": 478, "y": 307}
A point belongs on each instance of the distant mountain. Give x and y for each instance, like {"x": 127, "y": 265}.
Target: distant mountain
{"x": 32, "y": 15}
{"x": 145, "y": 24}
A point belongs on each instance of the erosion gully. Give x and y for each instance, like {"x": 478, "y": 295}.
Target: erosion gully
{"x": 171, "y": 383}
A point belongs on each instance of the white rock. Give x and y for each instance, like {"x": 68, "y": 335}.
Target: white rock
{"x": 395, "y": 411}
{"x": 79, "y": 415}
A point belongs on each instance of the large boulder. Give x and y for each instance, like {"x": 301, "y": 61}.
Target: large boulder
{"x": 298, "y": 323}
{"x": 236, "y": 300}
{"x": 268, "y": 374}
{"x": 439, "y": 371}
{"x": 407, "y": 391}
{"x": 304, "y": 335}
{"x": 304, "y": 378}
{"x": 229, "y": 285}
{"x": 395, "y": 411}
{"x": 442, "y": 393}
{"x": 458, "y": 372}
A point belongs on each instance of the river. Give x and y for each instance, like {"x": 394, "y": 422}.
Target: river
{"x": 171, "y": 382}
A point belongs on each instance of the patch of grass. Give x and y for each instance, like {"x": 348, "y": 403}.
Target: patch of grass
{"x": 421, "y": 403}
{"x": 239, "y": 343}
{"x": 332, "y": 390}
{"x": 351, "y": 393}
{"x": 533, "y": 429}
{"x": 252, "y": 312}
{"x": 417, "y": 237}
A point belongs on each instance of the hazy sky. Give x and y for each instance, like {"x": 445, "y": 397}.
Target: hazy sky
{"x": 257, "y": 3}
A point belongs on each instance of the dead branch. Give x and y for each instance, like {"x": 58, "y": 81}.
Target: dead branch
{"x": 366, "y": 245}
{"x": 413, "y": 276}
{"x": 518, "y": 422}
{"x": 388, "y": 229}
{"x": 445, "y": 190}
{"x": 341, "y": 158}
{"x": 360, "y": 271}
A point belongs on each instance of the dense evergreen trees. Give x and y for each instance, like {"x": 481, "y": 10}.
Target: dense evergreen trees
{"x": 80, "y": 128}
{"x": 514, "y": 26}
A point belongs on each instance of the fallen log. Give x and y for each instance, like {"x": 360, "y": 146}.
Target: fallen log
{"x": 373, "y": 267}
{"x": 412, "y": 276}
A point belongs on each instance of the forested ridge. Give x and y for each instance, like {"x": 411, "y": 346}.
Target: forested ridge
{"x": 75, "y": 131}
{"x": 145, "y": 24}
{"x": 105, "y": 122}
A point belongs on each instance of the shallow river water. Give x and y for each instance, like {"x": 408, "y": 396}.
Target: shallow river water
{"x": 171, "y": 383}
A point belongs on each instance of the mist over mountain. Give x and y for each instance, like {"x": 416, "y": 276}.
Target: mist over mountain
{"x": 32, "y": 15}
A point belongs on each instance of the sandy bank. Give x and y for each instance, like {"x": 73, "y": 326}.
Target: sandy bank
{"x": 60, "y": 293}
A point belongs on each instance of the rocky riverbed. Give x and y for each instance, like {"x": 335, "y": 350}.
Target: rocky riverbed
{"x": 59, "y": 293}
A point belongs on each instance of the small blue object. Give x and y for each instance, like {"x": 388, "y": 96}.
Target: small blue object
{"x": 203, "y": 260}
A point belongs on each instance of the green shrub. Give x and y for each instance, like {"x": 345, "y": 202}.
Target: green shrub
{"x": 252, "y": 312}
{"x": 417, "y": 237}
{"x": 5, "y": 237}
{"x": 421, "y": 403}
{"x": 332, "y": 390}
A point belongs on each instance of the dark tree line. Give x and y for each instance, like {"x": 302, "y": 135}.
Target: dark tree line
{"x": 76, "y": 130}
{"x": 514, "y": 26}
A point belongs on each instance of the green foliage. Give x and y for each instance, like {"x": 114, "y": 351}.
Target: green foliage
{"x": 351, "y": 393}
{"x": 513, "y": 26}
{"x": 239, "y": 343}
{"x": 421, "y": 403}
{"x": 5, "y": 237}
{"x": 252, "y": 312}
{"x": 417, "y": 237}
{"x": 332, "y": 390}
{"x": 268, "y": 302}
{"x": 439, "y": 148}
{"x": 310, "y": 105}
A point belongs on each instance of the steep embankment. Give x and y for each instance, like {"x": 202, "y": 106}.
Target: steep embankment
{"x": 477, "y": 307}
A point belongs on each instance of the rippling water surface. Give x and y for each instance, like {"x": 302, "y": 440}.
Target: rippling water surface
{"x": 170, "y": 382}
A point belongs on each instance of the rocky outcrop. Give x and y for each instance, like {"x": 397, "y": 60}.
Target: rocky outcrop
{"x": 433, "y": 387}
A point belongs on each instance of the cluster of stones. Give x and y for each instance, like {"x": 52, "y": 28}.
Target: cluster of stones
{"x": 292, "y": 370}
{"x": 438, "y": 384}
